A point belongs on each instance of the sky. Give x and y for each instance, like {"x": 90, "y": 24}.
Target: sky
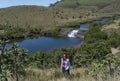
{"x": 8, "y": 3}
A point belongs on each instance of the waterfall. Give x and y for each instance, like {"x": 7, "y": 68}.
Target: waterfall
{"x": 73, "y": 33}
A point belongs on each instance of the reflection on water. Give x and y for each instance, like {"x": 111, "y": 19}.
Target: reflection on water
{"x": 103, "y": 20}
{"x": 48, "y": 43}
{"x": 84, "y": 26}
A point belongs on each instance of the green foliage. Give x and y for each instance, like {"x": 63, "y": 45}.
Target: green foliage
{"x": 17, "y": 57}
{"x": 50, "y": 59}
{"x": 79, "y": 57}
{"x": 11, "y": 61}
{"x": 53, "y": 32}
{"x": 90, "y": 52}
{"x": 105, "y": 66}
{"x": 5, "y": 73}
{"x": 40, "y": 60}
{"x": 110, "y": 21}
{"x": 114, "y": 38}
{"x": 10, "y": 32}
{"x": 94, "y": 34}
{"x": 73, "y": 24}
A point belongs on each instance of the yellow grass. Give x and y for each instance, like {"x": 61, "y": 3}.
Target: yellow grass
{"x": 114, "y": 25}
{"x": 77, "y": 74}
{"x": 45, "y": 18}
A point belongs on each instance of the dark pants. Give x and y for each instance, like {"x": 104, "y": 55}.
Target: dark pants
{"x": 66, "y": 73}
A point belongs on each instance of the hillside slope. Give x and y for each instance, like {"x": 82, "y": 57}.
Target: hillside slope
{"x": 37, "y": 19}
{"x": 42, "y": 17}
{"x": 106, "y": 6}
{"x": 62, "y": 14}
{"x": 23, "y": 16}
{"x": 57, "y": 15}
{"x": 65, "y": 3}
{"x": 113, "y": 7}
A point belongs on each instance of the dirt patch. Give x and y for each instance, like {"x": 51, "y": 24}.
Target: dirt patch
{"x": 115, "y": 50}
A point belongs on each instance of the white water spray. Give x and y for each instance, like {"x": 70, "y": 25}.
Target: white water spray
{"x": 73, "y": 33}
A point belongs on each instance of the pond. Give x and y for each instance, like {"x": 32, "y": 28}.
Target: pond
{"x": 46, "y": 44}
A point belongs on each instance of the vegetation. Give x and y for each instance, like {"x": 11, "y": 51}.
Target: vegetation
{"x": 95, "y": 59}
{"x": 39, "y": 20}
{"x": 94, "y": 56}
{"x": 12, "y": 62}
{"x": 10, "y": 32}
{"x": 73, "y": 24}
{"x": 79, "y": 2}
{"x": 78, "y": 74}
{"x": 112, "y": 30}
{"x": 92, "y": 61}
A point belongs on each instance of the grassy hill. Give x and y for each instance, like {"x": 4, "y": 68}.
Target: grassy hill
{"x": 36, "y": 16}
{"x": 113, "y": 7}
{"x": 80, "y": 2}
{"x": 37, "y": 19}
{"x": 85, "y": 1}
{"x": 101, "y": 5}
{"x": 32, "y": 16}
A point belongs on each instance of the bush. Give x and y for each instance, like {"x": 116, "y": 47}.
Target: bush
{"x": 94, "y": 34}
{"x": 73, "y": 24}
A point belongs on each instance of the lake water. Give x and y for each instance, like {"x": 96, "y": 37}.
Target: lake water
{"x": 84, "y": 26}
{"x": 46, "y": 44}
{"x": 103, "y": 20}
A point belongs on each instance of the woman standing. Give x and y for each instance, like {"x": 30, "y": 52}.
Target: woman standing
{"x": 65, "y": 65}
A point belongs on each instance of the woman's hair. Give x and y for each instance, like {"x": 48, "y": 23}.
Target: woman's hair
{"x": 64, "y": 54}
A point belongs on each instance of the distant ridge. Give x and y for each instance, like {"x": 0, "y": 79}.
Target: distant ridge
{"x": 65, "y": 3}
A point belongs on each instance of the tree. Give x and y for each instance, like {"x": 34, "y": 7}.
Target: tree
{"x": 17, "y": 58}
{"x": 3, "y": 76}
{"x": 89, "y": 52}
{"x": 12, "y": 61}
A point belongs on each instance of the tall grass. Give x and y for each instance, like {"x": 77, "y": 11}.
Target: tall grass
{"x": 77, "y": 74}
